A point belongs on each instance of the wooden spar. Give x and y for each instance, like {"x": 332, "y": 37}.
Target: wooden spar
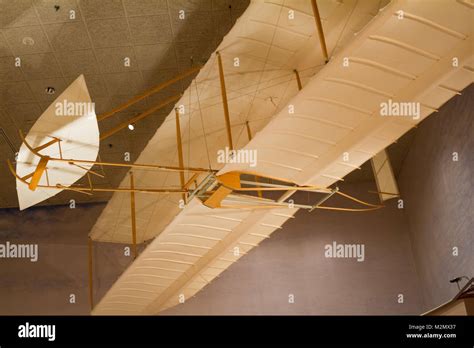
{"x": 140, "y": 117}
{"x": 228, "y": 182}
{"x": 91, "y": 284}
{"x": 224, "y": 101}
{"x": 148, "y": 93}
{"x": 385, "y": 193}
{"x": 288, "y": 194}
{"x": 298, "y": 80}
{"x": 112, "y": 164}
{"x": 249, "y": 133}
{"x": 215, "y": 199}
{"x": 119, "y": 189}
{"x": 44, "y": 146}
{"x": 137, "y": 165}
{"x": 319, "y": 26}
{"x": 86, "y": 190}
{"x": 180, "y": 151}
{"x": 132, "y": 214}
{"x": 40, "y": 168}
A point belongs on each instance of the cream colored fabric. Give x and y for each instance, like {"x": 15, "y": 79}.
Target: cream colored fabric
{"x": 384, "y": 176}
{"x": 79, "y": 133}
{"x": 269, "y": 46}
{"x": 195, "y": 248}
{"x": 401, "y": 57}
{"x": 335, "y": 114}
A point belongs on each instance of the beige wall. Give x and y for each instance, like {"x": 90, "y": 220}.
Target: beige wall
{"x": 291, "y": 262}
{"x": 439, "y": 195}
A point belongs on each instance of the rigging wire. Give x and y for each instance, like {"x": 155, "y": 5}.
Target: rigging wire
{"x": 202, "y": 125}
{"x": 344, "y": 27}
{"x": 265, "y": 64}
{"x": 290, "y": 75}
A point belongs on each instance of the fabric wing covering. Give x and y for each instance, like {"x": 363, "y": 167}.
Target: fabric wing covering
{"x": 384, "y": 176}
{"x": 269, "y": 46}
{"x": 72, "y": 119}
{"x": 404, "y": 58}
{"x": 393, "y": 61}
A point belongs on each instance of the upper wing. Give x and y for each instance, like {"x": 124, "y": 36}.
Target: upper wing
{"x": 336, "y": 122}
{"x": 269, "y": 45}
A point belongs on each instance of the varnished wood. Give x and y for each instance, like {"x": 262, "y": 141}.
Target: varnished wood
{"x": 319, "y": 26}
{"x": 139, "y": 117}
{"x": 180, "y": 151}
{"x": 148, "y": 93}
{"x": 224, "y": 101}
{"x": 298, "y": 80}
{"x": 132, "y": 214}
{"x": 91, "y": 283}
{"x": 40, "y": 168}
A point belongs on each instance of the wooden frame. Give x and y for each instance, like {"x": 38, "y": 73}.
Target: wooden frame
{"x": 319, "y": 26}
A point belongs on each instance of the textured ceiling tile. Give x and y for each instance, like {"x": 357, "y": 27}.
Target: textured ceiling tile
{"x": 144, "y": 126}
{"x": 27, "y": 40}
{"x": 108, "y": 146}
{"x": 102, "y": 104}
{"x": 124, "y": 83}
{"x": 95, "y": 9}
{"x": 109, "y": 32}
{"x": 196, "y": 26}
{"x": 135, "y": 142}
{"x": 4, "y": 149}
{"x": 223, "y": 20}
{"x": 155, "y": 77}
{"x": 95, "y": 85}
{"x": 25, "y": 112}
{"x": 17, "y": 13}
{"x": 8, "y": 70}
{"x": 39, "y": 88}
{"x": 11, "y": 131}
{"x": 40, "y": 66}
{"x": 158, "y": 98}
{"x": 15, "y": 92}
{"x": 4, "y": 49}
{"x": 67, "y": 36}
{"x": 191, "y": 53}
{"x": 13, "y": 140}
{"x": 144, "y": 7}
{"x": 119, "y": 100}
{"x": 121, "y": 117}
{"x": 236, "y": 13}
{"x": 116, "y": 59}
{"x": 229, "y": 4}
{"x": 150, "y": 29}
{"x": 4, "y": 118}
{"x": 44, "y": 105}
{"x": 75, "y": 63}
{"x": 54, "y": 11}
{"x": 190, "y": 5}
{"x": 108, "y": 28}
{"x": 151, "y": 57}
{"x": 184, "y": 83}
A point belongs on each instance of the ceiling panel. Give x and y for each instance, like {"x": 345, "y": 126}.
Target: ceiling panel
{"x": 57, "y": 41}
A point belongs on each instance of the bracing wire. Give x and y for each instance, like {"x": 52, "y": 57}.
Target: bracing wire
{"x": 202, "y": 124}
